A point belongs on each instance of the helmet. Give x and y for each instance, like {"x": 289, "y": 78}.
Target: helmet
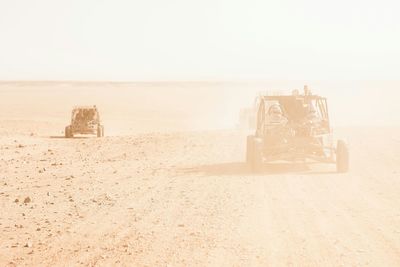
{"x": 275, "y": 110}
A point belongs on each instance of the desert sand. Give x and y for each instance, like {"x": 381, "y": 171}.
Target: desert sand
{"x": 169, "y": 187}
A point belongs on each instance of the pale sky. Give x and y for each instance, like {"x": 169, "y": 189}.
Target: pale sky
{"x": 199, "y": 40}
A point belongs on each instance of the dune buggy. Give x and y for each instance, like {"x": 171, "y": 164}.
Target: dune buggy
{"x": 85, "y": 120}
{"x": 295, "y": 128}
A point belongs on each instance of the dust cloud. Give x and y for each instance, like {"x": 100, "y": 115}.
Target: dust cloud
{"x": 142, "y": 107}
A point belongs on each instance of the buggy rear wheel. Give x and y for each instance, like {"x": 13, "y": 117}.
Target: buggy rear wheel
{"x": 68, "y": 132}
{"x": 100, "y": 131}
{"x": 342, "y": 157}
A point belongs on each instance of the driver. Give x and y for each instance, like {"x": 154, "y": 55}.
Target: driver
{"x": 80, "y": 116}
{"x": 312, "y": 115}
{"x": 275, "y": 116}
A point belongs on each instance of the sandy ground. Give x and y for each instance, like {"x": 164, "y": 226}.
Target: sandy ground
{"x": 186, "y": 198}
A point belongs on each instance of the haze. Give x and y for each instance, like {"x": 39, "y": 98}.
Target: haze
{"x": 199, "y": 40}
{"x": 174, "y": 106}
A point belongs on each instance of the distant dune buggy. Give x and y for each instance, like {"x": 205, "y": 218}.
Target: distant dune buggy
{"x": 85, "y": 120}
{"x": 292, "y": 128}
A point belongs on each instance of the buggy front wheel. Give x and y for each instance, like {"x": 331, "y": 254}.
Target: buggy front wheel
{"x": 342, "y": 157}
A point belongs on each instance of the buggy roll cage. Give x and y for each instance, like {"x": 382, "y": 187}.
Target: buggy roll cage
{"x": 78, "y": 108}
{"x": 293, "y": 107}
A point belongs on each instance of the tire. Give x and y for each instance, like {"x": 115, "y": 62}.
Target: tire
{"x": 100, "y": 131}
{"x": 342, "y": 157}
{"x": 68, "y": 132}
{"x": 250, "y": 150}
